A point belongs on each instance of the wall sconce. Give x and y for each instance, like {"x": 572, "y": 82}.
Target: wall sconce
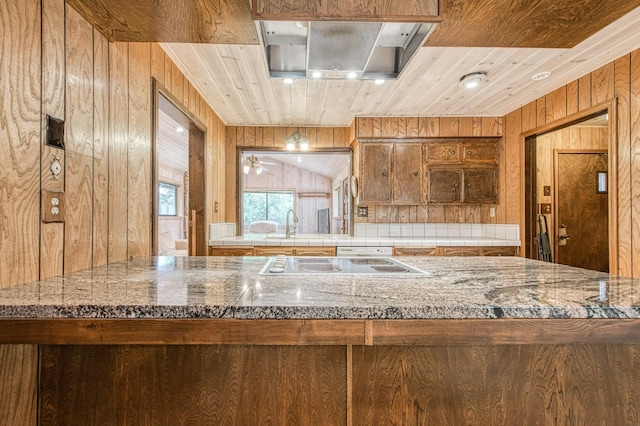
{"x": 297, "y": 141}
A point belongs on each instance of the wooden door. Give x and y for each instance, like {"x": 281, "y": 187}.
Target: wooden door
{"x": 582, "y": 209}
{"x": 480, "y": 186}
{"x": 407, "y": 174}
{"x": 445, "y": 186}
{"x": 197, "y": 243}
{"x": 375, "y": 174}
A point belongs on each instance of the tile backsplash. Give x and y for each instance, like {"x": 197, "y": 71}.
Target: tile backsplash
{"x": 221, "y": 230}
{"x": 427, "y": 230}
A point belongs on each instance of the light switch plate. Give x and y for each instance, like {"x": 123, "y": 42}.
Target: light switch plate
{"x": 52, "y": 206}
{"x": 545, "y": 208}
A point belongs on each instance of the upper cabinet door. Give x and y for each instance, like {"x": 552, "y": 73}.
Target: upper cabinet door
{"x": 442, "y": 153}
{"x": 445, "y": 186}
{"x": 480, "y": 152}
{"x": 375, "y": 176}
{"x": 408, "y": 186}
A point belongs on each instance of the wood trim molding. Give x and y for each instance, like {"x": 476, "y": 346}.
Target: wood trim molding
{"x": 318, "y": 332}
{"x": 376, "y": 11}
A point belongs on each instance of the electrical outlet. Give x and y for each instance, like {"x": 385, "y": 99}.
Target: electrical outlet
{"x": 52, "y": 206}
{"x": 363, "y": 211}
{"x": 545, "y": 208}
{"x": 546, "y": 191}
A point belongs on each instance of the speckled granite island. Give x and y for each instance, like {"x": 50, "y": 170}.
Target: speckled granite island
{"x": 177, "y": 340}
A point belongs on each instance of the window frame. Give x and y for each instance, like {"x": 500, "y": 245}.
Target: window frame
{"x": 176, "y": 189}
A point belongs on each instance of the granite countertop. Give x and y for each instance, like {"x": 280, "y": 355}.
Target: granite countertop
{"x": 231, "y": 287}
{"x": 337, "y": 240}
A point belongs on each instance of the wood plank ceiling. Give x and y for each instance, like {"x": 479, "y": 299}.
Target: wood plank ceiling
{"x": 544, "y": 35}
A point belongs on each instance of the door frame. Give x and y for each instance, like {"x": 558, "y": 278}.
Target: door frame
{"x": 158, "y": 90}
{"x": 556, "y": 222}
{"x": 609, "y": 108}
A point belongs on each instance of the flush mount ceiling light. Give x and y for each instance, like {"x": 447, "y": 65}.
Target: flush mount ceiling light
{"x": 297, "y": 141}
{"x": 473, "y": 80}
{"x": 179, "y": 129}
{"x": 252, "y": 165}
{"x": 541, "y": 75}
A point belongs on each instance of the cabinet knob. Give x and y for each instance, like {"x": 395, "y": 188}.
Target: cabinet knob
{"x": 416, "y": 173}
{"x": 468, "y": 185}
{"x": 385, "y": 172}
{"x": 469, "y": 152}
{"x": 453, "y": 152}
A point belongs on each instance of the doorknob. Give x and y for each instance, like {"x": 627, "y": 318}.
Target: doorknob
{"x": 562, "y": 235}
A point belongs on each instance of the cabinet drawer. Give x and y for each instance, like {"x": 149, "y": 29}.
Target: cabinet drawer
{"x": 500, "y": 251}
{"x": 414, "y": 251}
{"x": 231, "y": 251}
{"x": 480, "y": 153}
{"x": 460, "y": 251}
{"x": 272, "y": 251}
{"x": 442, "y": 153}
{"x": 315, "y": 251}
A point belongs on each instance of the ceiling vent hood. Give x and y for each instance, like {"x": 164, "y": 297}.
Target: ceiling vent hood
{"x": 340, "y": 50}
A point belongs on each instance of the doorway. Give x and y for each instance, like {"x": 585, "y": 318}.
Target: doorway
{"x": 179, "y": 169}
{"x": 581, "y": 209}
{"x": 567, "y": 181}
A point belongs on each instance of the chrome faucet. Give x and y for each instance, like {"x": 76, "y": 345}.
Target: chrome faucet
{"x": 287, "y": 231}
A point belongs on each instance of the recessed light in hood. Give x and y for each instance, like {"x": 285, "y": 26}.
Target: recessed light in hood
{"x": 340, "y": 50}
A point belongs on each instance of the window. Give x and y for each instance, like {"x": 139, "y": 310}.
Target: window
{"x": 167, "y": 199}
{"x": 266, "y": 205}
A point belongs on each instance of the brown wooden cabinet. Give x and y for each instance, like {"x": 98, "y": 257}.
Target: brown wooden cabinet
{"x": 230, "y": 251}
{"x": 392, "y": 173}
{"x": 445, "y": 185}
{"x": 500, "y": 251}
{"x": 480, "y": 186}
{"x": 407, "y": 180}
{"x": 315, "y": 251}
{"x": 480, "y": 152}
{"x": 442, "y": 153}
{"x": 461, "y": 151}
{"x": 415, "y": 251}
{"x": 273, "y": 251}
{"x": 375, "y": 173}
{"x": 457, "y": 251}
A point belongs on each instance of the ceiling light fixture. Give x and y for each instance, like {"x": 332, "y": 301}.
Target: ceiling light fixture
{"x": 473, "y": 80}
{"x": 297, "y": 141}
{"x": 379, "y": 81}
{"x": 352, "y": 75}
{"x": 316, "y": 74}
{"x": 541, "y": 75}
{"x": 179, "y": 129}
{"x": 252, "y": 165}
{"x": 287, "y": 81}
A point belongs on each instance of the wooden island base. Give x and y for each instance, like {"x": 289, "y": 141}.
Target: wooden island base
{"x": 402, "y": 372}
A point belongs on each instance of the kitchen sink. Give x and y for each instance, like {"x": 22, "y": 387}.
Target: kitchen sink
{"x": 371, "y": 266}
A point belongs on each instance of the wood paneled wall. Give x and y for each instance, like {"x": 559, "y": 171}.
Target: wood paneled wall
{"x": 273, "y": 137}
{"x": 56, "y": 63}
{"x": 619, "y": 79}
{"x": 425, "y": 127}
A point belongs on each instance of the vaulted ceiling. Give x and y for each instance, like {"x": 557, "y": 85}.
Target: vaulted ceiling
{"x": 509, "y": 40}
